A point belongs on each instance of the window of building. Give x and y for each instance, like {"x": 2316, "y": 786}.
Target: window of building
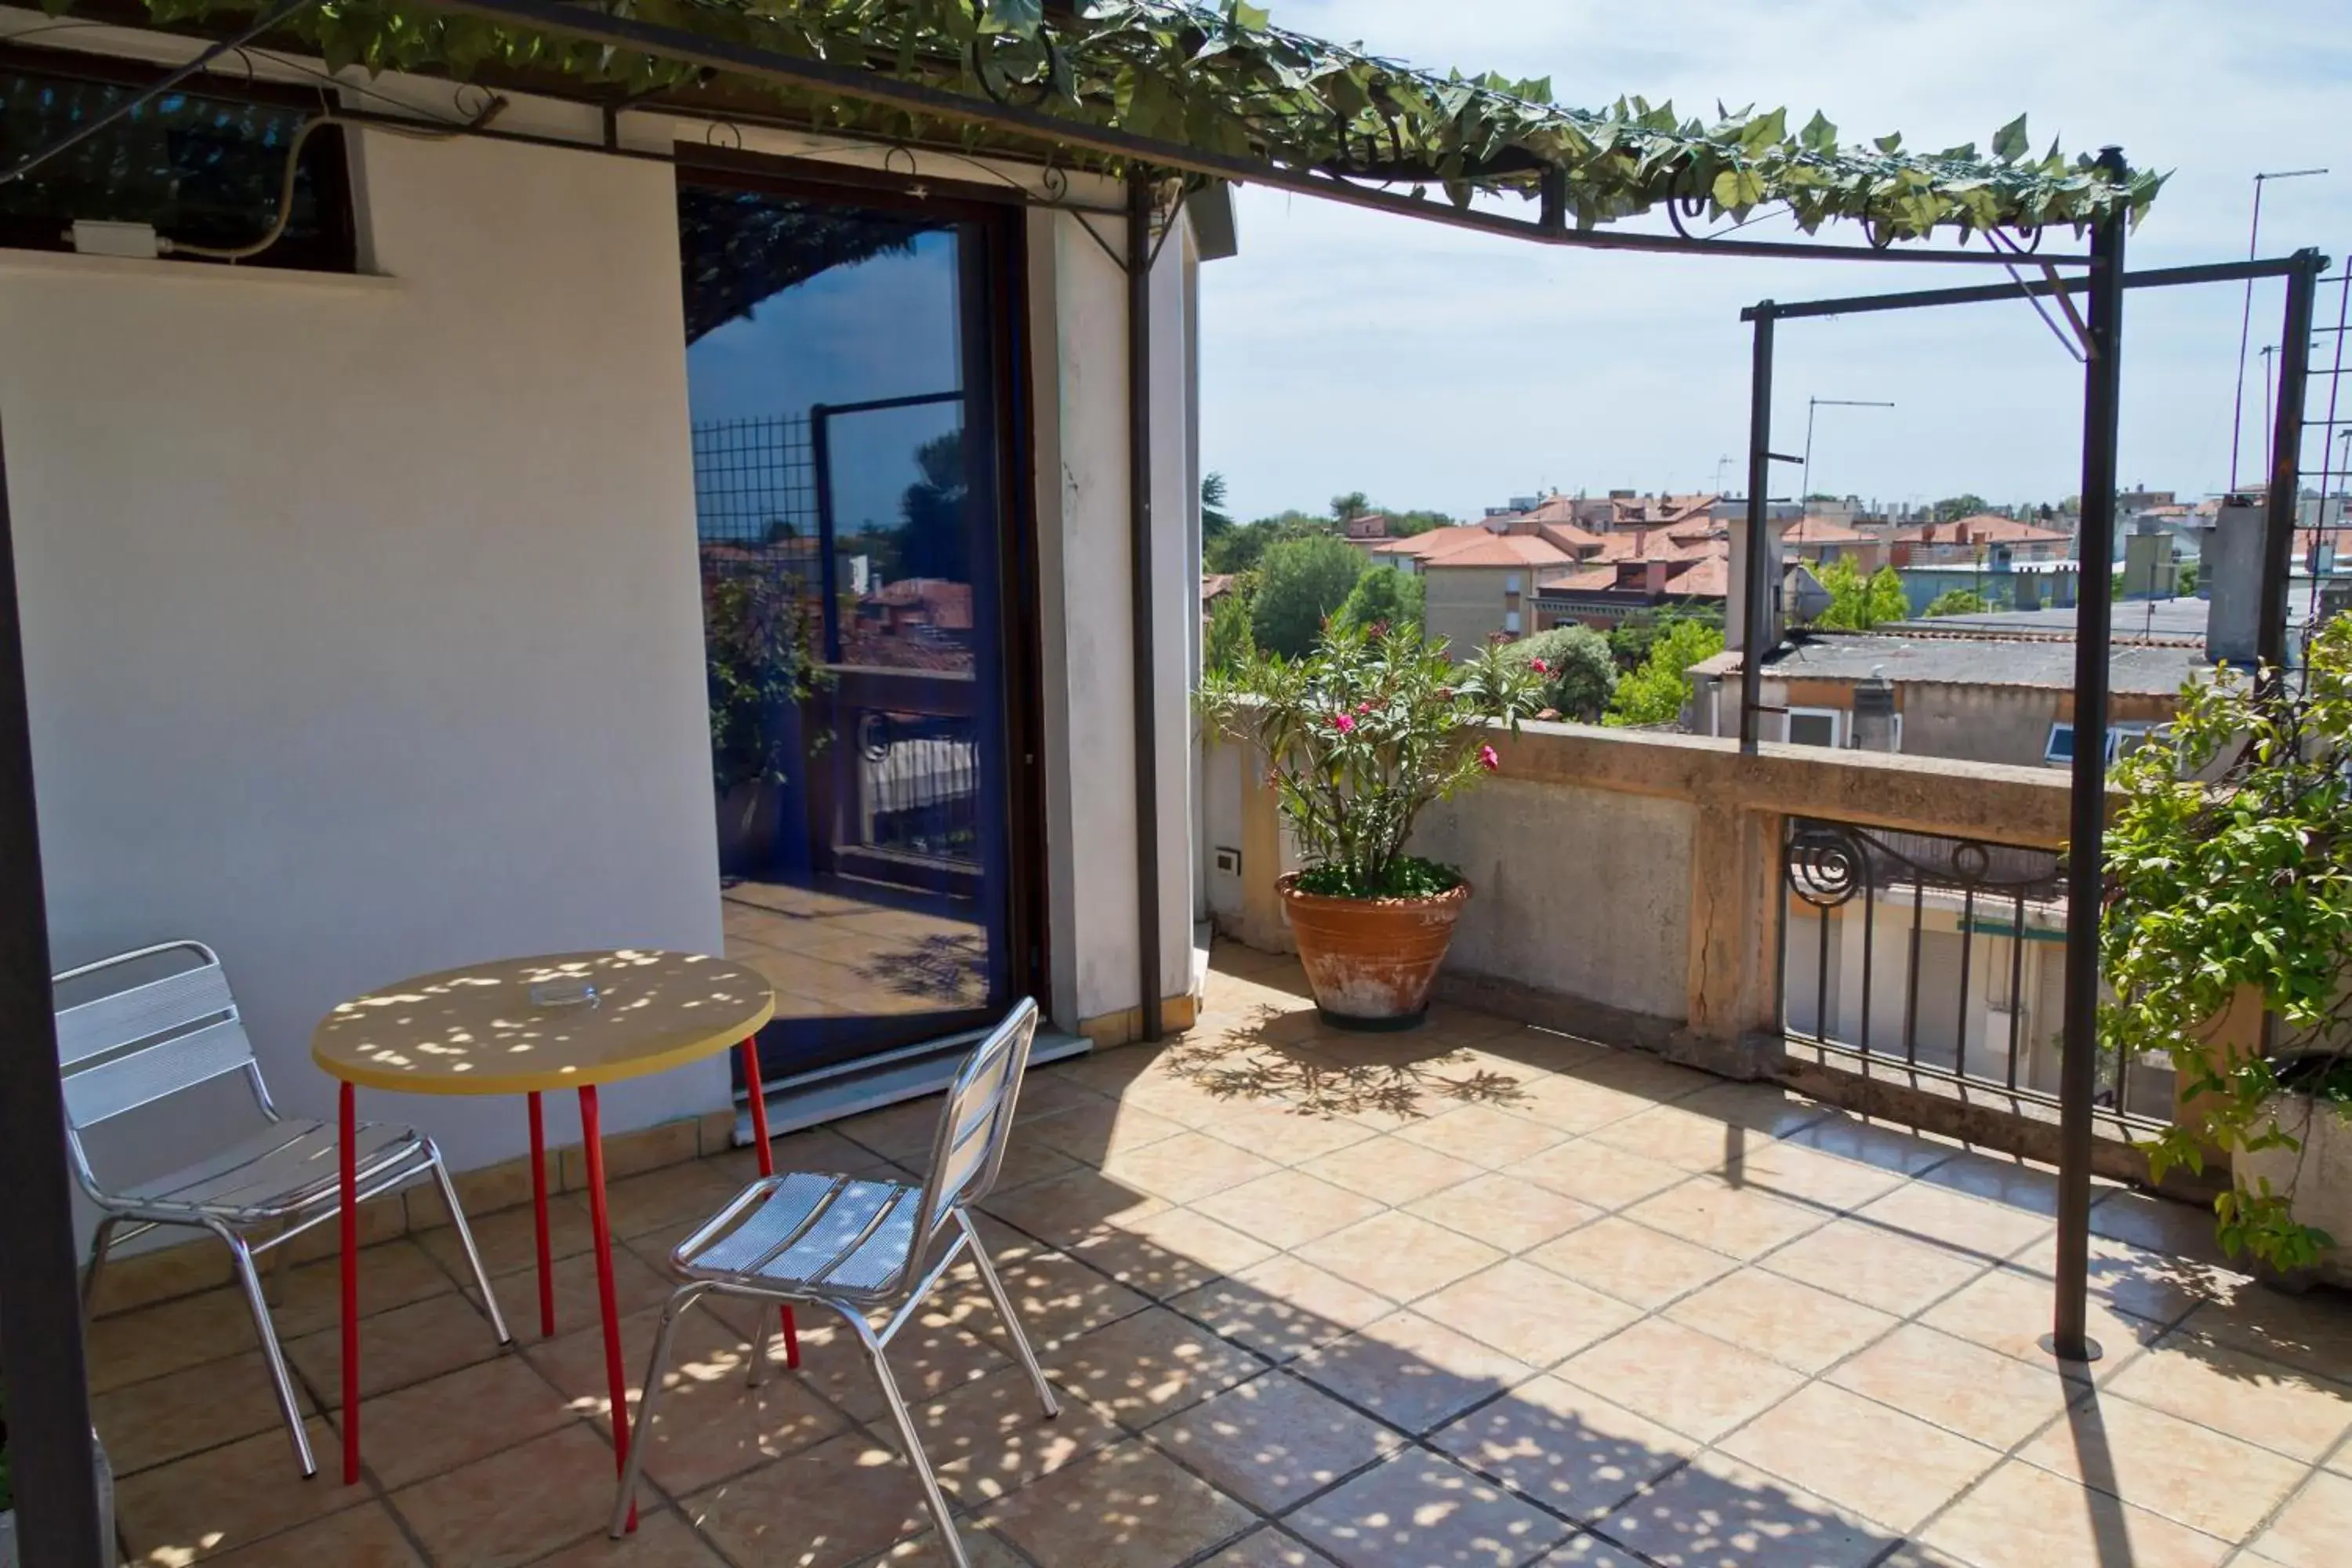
{"x": 1511, "y": 583}
{"x": 1813, "y": 726}
{"x": 2123, "y": 740}
{"x": 202, "y": 165}
{"x": 1511, "y": 622}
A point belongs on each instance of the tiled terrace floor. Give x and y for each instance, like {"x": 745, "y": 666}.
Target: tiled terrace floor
{"x": 1479, "y": 1295}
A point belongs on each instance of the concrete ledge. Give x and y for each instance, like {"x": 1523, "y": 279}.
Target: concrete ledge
{"x": 1555, "y": 1010}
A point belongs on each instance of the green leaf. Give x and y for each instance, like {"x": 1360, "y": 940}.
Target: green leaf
{"x": 2009, "y": 142}
{"x": 1737, "y": 190}
{"x": 1021, "y": 18}
{"x": 1889, "y": 143}
{"x": 1819, "y": 135}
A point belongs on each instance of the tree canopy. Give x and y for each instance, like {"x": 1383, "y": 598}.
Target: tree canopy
{"x": 1956, "y": 602}
{"x": 1580, "y": 674}
{"x": 1385, "y": 596}
{"x": 1300, "y": 582}
{"x": 1655, "y": 693}
{"x": 1858, "y": 603}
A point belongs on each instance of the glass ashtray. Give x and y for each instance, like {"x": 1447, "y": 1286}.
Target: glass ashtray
{"x": 566, "y": 993}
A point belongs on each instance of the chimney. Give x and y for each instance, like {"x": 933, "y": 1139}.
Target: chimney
{"x": 1873, "y": 713}
{"x": 1735, "y": 617}
{"x": 2233, "y": 571}
{"x": 1653, "y": 577}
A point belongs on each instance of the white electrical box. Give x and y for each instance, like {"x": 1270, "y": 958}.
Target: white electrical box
{"x": 94, "y": 236}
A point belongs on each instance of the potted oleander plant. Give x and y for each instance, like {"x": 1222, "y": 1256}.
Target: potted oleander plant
{"x": 1361, "y": 735}
{"x": 2229, "y": 895}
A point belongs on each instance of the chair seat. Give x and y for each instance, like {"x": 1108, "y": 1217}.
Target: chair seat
{"x": 278, "y": 1171}
{"x": 823, "y": 1236}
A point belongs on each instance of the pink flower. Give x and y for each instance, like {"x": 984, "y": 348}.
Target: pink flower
{"x": 1342, "y": 722}
{"x": 1488, "y": 760}
{"x": 1539, "y": 667}
{"x": 1362, "y": 708}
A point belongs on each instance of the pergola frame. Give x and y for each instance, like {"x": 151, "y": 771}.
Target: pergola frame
{"x": 41, "y": 1355}
{"x": 2101, "y": 330}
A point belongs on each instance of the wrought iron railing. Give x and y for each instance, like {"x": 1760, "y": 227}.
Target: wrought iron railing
{"x": 1945, "y": 955}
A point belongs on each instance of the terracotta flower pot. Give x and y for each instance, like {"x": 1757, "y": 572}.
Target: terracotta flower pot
{"x": 1372, "y": 961}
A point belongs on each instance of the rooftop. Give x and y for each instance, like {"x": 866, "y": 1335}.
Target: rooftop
{"x": 1486, "y": 1294}
{"x": 2180, "y": 618}
{"x": 1912, "y": 656}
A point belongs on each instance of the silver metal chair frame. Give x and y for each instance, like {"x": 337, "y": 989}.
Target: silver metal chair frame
{"x": 850, "y": 1246}
{"x": 132, "y": 1047}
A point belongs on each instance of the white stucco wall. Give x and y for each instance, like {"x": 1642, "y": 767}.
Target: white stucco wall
{"x": 361, "y": 618}
{"x": 1078, "y": 344}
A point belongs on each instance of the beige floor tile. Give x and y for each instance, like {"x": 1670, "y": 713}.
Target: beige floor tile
{"x": 1529, "y": 1313}
{"x": 203, "y": 1406}
{"x": 1094, "y": 1133}
{"x": 1273, "y": 1441}
{"x": 1054, "y": 1294}
{"x": 1956, "y": 1222}
{"x": 2159, "y": 1225}
{"x": 659, "y": 1199}
{"x": 1391, "y": 1170}
{"x": 1718, "y": 1513}
{"x": 131, "y": 1347}
{"x": 1419, "y": 1509}
{"x": 1682, "y": 1137}
{"x": 508, "y": 1241}
{"x": 2263, "y": 1402}
{"x": 1269, "y": 1548}
{"x": 1742, "y": 1222}
{"x": 2311, "y": 1332}
{"x": 993, "y": 1437}
{"x": 515, "y": 1505}
{"x": 1287, "y": 1208}
{"x": 1412, "y": 1370}
{"x": 1631, "y": 1262}
{"x": 1801, "y": 1174}
{"x": 1764, "y": 1108}
{"x": 636, "y": 1285}
{"x": 1484, "y": 1136}
{"x": 1187, "y": 1166}
{"x": 1399, "y": 1256}
{"x": 1566, "y": 1447}
{"x": 1065, "y": 1208}
{"x": 2010, "y": 1311}
{"x": 2312, "y": 1530}
{"x": 663, "y": 1539}
{"x": 407, "y": 1345}
{"x": 356, "y": 1538}
{"x": 393, "y": 1274}
{"x": 1585, "y": 1551}
{"x": 1852, "y": 1137}
{"x": 1286, "y": 1136}
{"x": 1282, "y": 1307}
{"x": 224, "y": 1499}
{"x": 1680, "y": 1378}
{"x": 457, "y": 1419}
{"x": 1599, "y": 1173}
{"x": 1960, "y": 1386}
{"x": 826, "y": 1507}
{"x": 1128, "y": 1504}
{"x": 2187, "y": 1473}
{"x": 2022, "y": 1516}
{"x": 1786, "y": 1320}
{"x": 930, "y": 1359}
{"x": 1878, "y": 1267}
{"x": 1574, "y": 1105}
{"x": 1166, "y": 1252}
{"x": 1885, "y": 1465}
{"x": 1149, "y": 1365}
{"x": 1504, "y": 1211}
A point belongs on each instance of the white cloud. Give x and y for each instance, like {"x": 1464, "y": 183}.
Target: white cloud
{"x": 1346, "y": 350}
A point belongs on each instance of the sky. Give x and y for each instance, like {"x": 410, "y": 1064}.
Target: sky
{"x": 1345, "y": 349}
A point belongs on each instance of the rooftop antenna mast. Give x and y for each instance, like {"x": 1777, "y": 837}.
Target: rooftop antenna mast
{"x": 2246, "y": 317}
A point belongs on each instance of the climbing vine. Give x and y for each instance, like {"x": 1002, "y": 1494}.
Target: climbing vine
{"x": 1224, "y": 79}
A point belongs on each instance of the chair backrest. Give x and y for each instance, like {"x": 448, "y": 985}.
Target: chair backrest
{"x": 976, "y": 1123}
{"x": 148, "y": 1040}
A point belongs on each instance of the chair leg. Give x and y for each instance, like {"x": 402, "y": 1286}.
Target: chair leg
{"x": 1012, "y": 1319}
{"x": 914, "y": 1445}
{"x": 99, "y": 1243}
{"x": 624, "y": 1500}
{"x": 465, "y": 1239}
{"x": 287, "y": 1404}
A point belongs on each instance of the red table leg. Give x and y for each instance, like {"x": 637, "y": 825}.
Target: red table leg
{"x": 592, "y": 1137}
{"x": 767, "y": 1168}
{"x": 349, "y": 1138}
{"x": 538, "y": 1216}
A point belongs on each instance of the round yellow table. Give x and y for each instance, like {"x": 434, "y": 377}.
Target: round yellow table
{"x": 524, "y": 1026}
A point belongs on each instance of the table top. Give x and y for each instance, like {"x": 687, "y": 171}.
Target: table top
{"x": 513, "y": 1026}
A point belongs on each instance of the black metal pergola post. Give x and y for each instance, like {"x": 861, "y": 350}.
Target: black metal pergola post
{"x": 41, "y": 1363}
{"x": 1755, "y": 587}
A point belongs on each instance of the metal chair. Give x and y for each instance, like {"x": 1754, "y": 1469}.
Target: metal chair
{"x": 859, "y": 1247}
{"x": 147, "y": 1041}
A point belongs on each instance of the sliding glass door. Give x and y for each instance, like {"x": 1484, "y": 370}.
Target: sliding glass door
{"x": 847, "y": 360}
